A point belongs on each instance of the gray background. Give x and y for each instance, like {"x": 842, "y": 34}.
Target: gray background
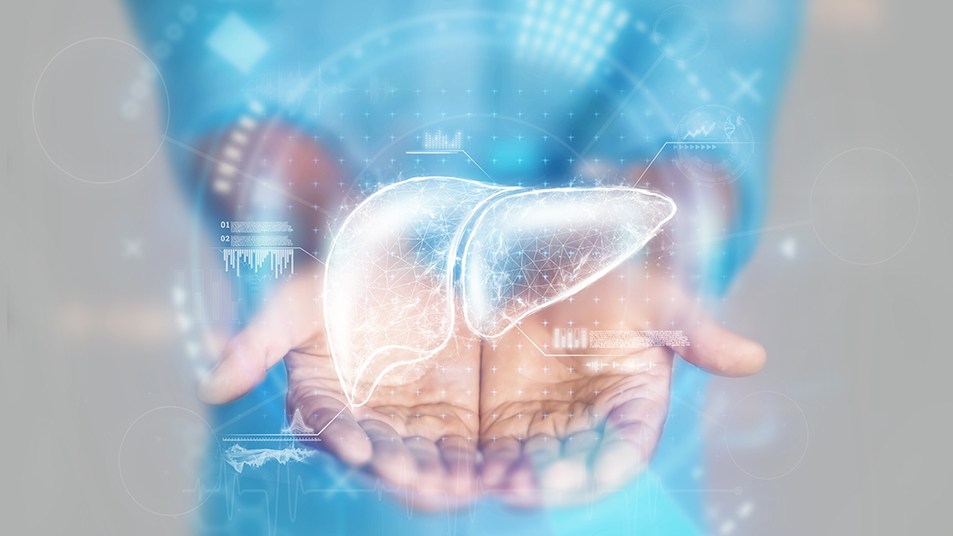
{"x": 852, "y": 408}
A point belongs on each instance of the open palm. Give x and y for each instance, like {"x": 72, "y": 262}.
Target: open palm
{"x": 558, "y": 425}
{"x": 553, "y": 425}
{"x": 418, "y": 431}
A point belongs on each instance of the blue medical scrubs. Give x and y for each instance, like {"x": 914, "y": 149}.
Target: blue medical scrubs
{"x": 541, "y": 92}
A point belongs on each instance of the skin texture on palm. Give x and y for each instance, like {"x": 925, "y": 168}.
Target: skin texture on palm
{"x": 561, "y": 426}
{"x": 418, "y": 431}
{"x": 549, "y": 428}
{"x": 431, "y": 460}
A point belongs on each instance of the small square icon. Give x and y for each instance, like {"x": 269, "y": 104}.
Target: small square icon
{"x": 237, "y": 43}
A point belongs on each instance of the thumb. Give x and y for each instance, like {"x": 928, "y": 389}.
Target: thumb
{"x": 243, "y": 365}
{"x": 721, "y": 351}
{"x": 289, "y": 320}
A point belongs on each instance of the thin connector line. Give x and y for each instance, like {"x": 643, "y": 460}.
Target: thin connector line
{"x": 248, "y": 176}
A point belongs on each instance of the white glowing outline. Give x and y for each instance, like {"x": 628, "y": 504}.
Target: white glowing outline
{"x": 479, "y": 211}
{"x": 511, "y": 322}
{"x": 448, "y": 287}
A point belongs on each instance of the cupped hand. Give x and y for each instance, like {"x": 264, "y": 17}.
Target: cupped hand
{"x": 562, "y": 425}
{"x": 418, "y": 432}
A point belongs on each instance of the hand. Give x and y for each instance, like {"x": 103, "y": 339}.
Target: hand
{"x": 417, "y": 433}
{"x": 557, "y": 427}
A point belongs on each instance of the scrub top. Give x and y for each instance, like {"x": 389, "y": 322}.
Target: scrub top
{"x": 532, "y": 93}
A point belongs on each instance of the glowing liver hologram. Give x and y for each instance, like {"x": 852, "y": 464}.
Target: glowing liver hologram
{"x": 414, "y": 255}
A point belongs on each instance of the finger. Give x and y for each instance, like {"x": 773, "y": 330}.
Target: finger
{"x": 286, "y": 322}
{"x": 243, "y": 365}
{"x": 459, "y": 458}
{"x": 340, "y": 433}
{"x": 570, "y": 474}
{"x": 499, "y": 454}
{"x": 430, "y": 478}
{"x": 632, "y": 433}
{"x": 720, "y": 351}
{"x": 392, "y": 461}
{"x": 539, "y": 452}
{"x": 581, "y": 443}
{"x": 711, "y": 346}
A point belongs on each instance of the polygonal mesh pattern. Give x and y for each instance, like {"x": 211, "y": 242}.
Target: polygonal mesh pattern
{"x": 532, "y": 248}
{"x": 389, "y": 284}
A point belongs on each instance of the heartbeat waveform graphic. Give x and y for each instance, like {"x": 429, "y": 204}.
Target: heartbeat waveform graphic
{"x": 701, "y": 130}
{"x": 641, "y": 497}
{"x": 290, "y": 88}
{"x": 291, "y": 489}
{"x": 376, "y": 89}
{"x": 238, "y": 456}
{"x": 281, "y": 258}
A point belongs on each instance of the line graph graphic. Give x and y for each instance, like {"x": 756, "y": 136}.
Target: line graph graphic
{"x": 715, "y": 145}
{"x": 271, "y": 255}
{"x": 297, "y": 430}
{"x": 289, "y": 487}
{"x": 704, "y": 131}
{"x": 245, "y": 479}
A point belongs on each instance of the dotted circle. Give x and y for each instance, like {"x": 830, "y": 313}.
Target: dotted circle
{"x": 681, "y": 33}
{"x": 123, "y": 443}
{"x": 713, "y": 145}
{"x": 817, "y": 233}
{"x": 128, "y": 109}
{"x": 733, "y": 455}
